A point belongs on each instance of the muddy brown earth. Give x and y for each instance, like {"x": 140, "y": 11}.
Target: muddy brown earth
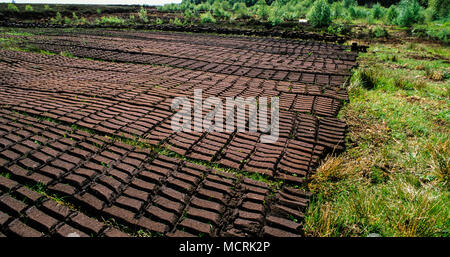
{"x": 86, "y": 145}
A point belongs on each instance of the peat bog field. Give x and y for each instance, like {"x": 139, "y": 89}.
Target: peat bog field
{"x": 87, "y": 149}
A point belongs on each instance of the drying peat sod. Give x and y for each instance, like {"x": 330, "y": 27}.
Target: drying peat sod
{"x": 87, "y": 146}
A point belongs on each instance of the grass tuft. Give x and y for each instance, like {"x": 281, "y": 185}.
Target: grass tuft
{"x": 367, "y": 78}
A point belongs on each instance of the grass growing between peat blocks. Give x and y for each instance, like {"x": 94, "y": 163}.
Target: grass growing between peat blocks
{"x": 393, "y": 178}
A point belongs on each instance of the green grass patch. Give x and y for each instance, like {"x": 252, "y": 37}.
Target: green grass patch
{"x": 393, "y": 177}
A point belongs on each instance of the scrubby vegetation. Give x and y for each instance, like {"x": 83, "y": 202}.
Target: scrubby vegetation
{"x": 323, "y": 13}
{"x": 404, "y": 12}
{"x": 424, "y": 18}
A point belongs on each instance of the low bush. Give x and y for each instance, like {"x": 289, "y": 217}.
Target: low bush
{"x": 82, "y": 20}
{"x": 348, "y": 3}
{"x": 74, "y": 17}
{"x": 440, "y": 9}
{"x": 177, "y": 22}
{"x": 378, "y": 31}
{"x": 188, "y": 14}
{"x": 67, "y": 20}
{"x": 377, "y": 11}
{"x": 203, "y": 7}
{"x": 110, "y": 20}
{"x": 240, "y": 10}
{"x": 143, "y": 15}
{"x": 275, "y": 16}
{"x": 207, "y": 18}
{"x": 442, "y": 34}
{"x": 13, "y": 7}
{"x": 275, "y": 20}
{"x": 338, "y": 28}
{"x": 221, "y": 13}
{"x": 58, "y": 19}
{"x": 391, "y": 15}
{"x": 28, "y": 8}
{"x": 320, "y": 14}
{"x": 356, "y": 12}
{"x": 169, "y": 8}
{"x": 408, "y": 13}
{"x": 262, "y": 10}
{"x": 337, "y": 10}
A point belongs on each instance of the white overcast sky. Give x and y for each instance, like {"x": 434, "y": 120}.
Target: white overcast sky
{"x": 148, "y": 2}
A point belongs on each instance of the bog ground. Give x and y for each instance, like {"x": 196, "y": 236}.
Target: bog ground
{"x": 86, "y": 146}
